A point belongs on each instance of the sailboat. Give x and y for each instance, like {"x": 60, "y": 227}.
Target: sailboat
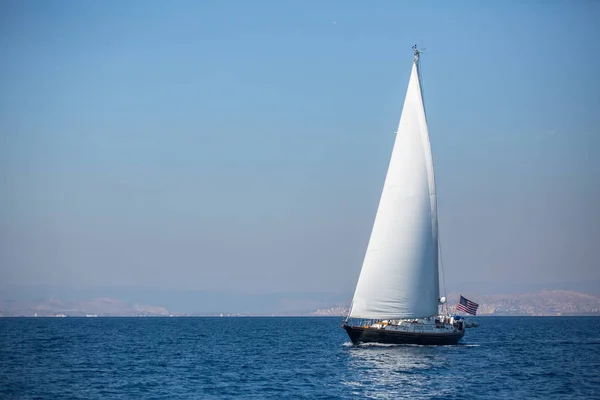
{"x": 397, "y": 297}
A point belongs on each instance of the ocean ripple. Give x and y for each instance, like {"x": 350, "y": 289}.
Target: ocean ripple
{"x": 258, "y": 358}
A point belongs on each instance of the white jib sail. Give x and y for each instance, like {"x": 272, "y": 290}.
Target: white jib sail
{"x": 399, "y": 276}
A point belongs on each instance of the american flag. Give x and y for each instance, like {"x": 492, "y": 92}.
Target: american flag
{"x": 467, "y": 306}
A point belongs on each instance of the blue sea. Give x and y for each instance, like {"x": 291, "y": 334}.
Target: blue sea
{"x": 292, "y": 358}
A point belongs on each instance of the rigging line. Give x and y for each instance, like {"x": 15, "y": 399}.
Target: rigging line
{"x": 420, "y": 75}
{"x": 420, "y": 69}
{"x": 442, "y": 268}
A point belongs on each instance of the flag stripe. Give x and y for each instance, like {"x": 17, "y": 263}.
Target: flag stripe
{"x": 467, "y": 306}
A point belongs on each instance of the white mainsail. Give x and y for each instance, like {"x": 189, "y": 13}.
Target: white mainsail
{"x": 399, "y": 276}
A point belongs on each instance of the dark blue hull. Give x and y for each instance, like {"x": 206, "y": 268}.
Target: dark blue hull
{"x": 359, "y": 334}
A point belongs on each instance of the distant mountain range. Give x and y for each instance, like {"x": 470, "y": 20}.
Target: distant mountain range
{"x": 542, "y": 303}
{"x": 134, "y": 301}
{"x": 95, "y": 307}
{"x": 546, "y": 302}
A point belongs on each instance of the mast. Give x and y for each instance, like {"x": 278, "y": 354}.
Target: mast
{"x": 417, "y": 62}
{"x": 438, "y": 251}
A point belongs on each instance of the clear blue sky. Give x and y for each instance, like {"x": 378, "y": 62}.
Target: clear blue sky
{"x": 242, "y": 145}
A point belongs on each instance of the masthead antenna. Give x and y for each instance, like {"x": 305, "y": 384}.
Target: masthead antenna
{"x": 417, "y": 52}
